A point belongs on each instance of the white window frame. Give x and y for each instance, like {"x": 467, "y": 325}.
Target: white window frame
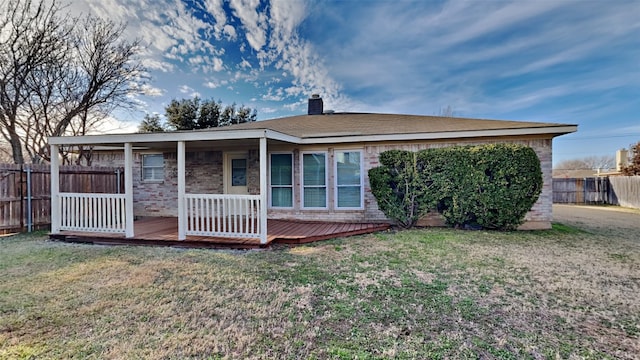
{"x": 143, "y": 167}
{"x": 335, "y": 178}
{"x": 326, "y": 179}
{"x": 293, "y": 196}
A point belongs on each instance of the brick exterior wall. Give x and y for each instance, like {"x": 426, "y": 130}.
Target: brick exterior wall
{"x": 204, "y": 174}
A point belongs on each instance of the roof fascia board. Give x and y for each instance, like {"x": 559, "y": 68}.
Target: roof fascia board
{"x": 559, "y": 130}
{"x": 158, "y": 137}
{"x": 170, "y": 137}
{"x": 276, "y": 135}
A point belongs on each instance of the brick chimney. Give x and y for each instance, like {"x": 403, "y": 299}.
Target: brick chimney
{"x": 315, "y": 105}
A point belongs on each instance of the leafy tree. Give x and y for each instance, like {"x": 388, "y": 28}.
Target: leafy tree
{"x": 59, "y": 75}
{"x": 151, "y": 124}
{"x": 209, "y": 114}
{"x": 192, "y": 114}
{"x": 183, "y": 114}
{"x": 634, "y": 167}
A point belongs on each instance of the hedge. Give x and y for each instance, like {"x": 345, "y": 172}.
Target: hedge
{"x": 484, "y": 186}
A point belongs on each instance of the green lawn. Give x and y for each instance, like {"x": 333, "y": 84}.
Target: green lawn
{"x": 435, "y": 293}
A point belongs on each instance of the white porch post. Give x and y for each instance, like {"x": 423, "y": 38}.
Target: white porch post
{"x": 55, "y": 190}
{"x": 128, "y": 189}
{"x": 263, "y": 190}
{"x": 182, "y": 215}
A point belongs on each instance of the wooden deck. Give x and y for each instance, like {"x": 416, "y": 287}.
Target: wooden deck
{"x": 163, "y": 231}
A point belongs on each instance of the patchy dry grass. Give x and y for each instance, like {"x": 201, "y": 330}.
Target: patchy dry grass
{"x": 562, "y": 293}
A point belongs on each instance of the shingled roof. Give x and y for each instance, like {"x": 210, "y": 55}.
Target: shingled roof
{"x": 337, "y": 128}
{"x": 368, "y": 124}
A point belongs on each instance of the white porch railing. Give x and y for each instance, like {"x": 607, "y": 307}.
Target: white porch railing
{"x": 236, "y": 216}
{"x": 92, "y": 212}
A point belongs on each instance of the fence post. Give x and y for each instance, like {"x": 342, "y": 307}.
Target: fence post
{"x": 29, "y": 208}
{"x": 118, "y": 181}
{"x": 20, "y": 193}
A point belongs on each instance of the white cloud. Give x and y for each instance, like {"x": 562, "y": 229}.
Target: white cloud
{"x": 297, "y": 57}
{"x": 185, "y": 89}
{"x": 268, "y": 110}
{"x": 215, "y": 8}
{"x": 244, "y": 64}
{"x": 214, "y": 83}
{"x": 154, "y": 64}
{"x": 149, "y": 90}
{"x": 113, "y": 125}
{"x": 196, "y": 60}
{"x": 211, "y": 84}
{"x": 271, "y": 95}
{"x": 253, "y": 21}
{"x": 230, "y": 32}
{"x": 217, "y": 64}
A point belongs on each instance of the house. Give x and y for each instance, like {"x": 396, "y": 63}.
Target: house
{"x": 226, "y": 182}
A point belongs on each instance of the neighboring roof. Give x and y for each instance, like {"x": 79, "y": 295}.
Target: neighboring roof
{"x": 340, "y": 128}
{"x": 569, "y": 174}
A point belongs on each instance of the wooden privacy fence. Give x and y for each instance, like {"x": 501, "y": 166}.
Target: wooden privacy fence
{"x": 25, "y": 191}
{"x": 626, "y": 190}
{"x": 615, "y": 190}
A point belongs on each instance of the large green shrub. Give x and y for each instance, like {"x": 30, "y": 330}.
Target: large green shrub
{"x": 491, "y": 186}
{"x": 398, "y": 188}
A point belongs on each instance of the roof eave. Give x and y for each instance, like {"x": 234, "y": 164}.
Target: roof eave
{"x": 552, "y": 131}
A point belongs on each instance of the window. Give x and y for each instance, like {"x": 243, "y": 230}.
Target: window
{"x": 314, "y": 180}
{"x": 153, "y": 167}
{"x": 281, "y": 180}
{"x": 348, "y": 179}
{"x": 238, "y": 172}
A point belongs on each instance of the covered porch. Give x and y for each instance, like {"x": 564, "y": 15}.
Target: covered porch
{"x": 213, "y": 214}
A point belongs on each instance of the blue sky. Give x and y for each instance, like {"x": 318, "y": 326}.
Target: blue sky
{"x": 564, "y": 61}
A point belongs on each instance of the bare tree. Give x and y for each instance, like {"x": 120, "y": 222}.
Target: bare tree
{"x": 446, "y": 112}
{"x": 603, "y": 162}
{"x": 60, "y": 75}
{"x": 5, "y": 152}
{"x": 30, "y": 37}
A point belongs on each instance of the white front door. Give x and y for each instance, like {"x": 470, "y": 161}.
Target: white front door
{"x": 235, "y": 173}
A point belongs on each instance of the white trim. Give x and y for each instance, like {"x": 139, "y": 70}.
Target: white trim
{"x": 55, "y": 190}
{"x": 326, "y": 180}
{"x": 227, "y": 169}
{"x": 128, "y": 189}
{"x": 220, "y": 215}
{"x": 173, "y": 136}
{"x": 223, "y": 134}
{"x": 142, "y": 167}
{"x": 182, "y": 214}
{"x": 275, "y": 135}
{"x": 439, "y": 135}
{"x": 335, "y": 178}
{"x": 270, "y": 186}
{"x": 263, "y": 190}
